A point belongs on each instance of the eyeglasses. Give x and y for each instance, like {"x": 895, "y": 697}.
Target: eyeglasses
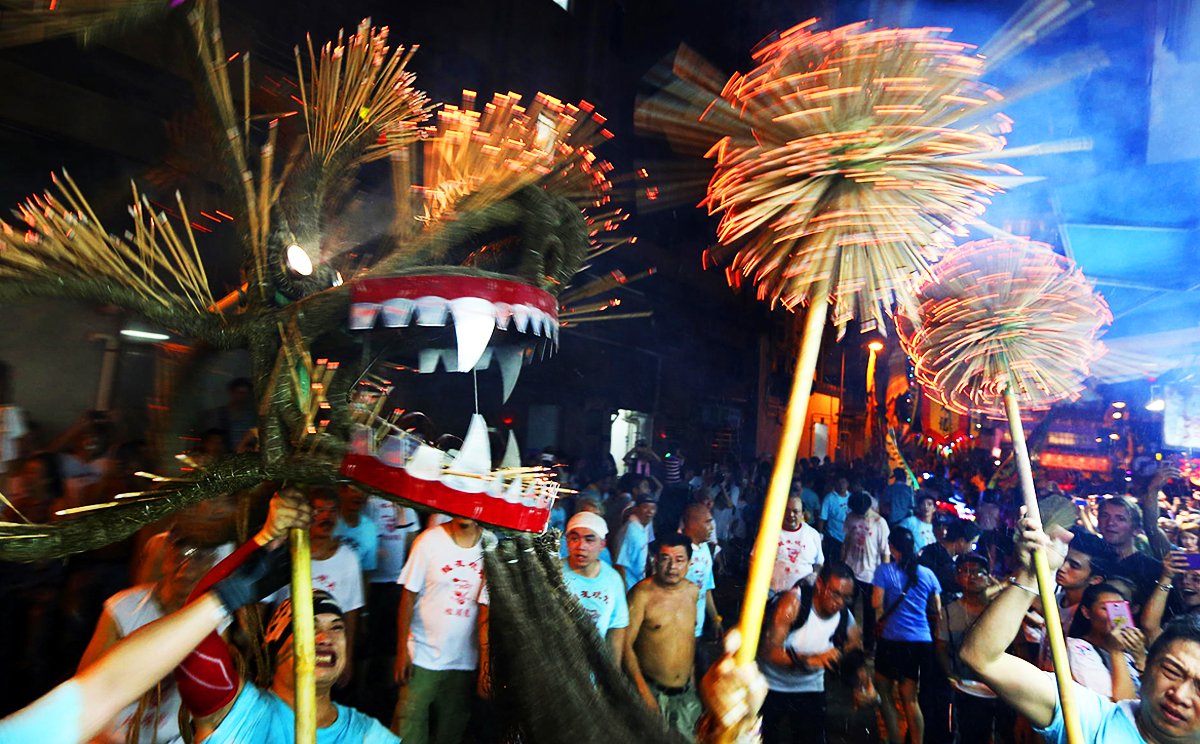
{"x": 973, "y": 571}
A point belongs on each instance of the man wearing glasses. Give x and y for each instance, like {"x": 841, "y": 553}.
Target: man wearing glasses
{"x": 810, "y": 631}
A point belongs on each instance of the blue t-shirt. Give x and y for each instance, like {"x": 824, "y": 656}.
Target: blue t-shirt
{"x": 602, "y": 597}
{"x": 899, "y": 496}
{"x": 908, "y": 622}
{"x": 259, "y": 715}
{"x": 364, "y": 539}
{"x": 833, "y": 512}
{"x": 54, "y": 718}
{"x": 635, "y": 550}
{"x": 812, "y": 502}
{"x": 700, "y": 573}
{"x": 1101, "y": 719}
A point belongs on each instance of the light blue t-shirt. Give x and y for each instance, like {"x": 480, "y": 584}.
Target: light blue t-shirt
{"x": 700, "y": 573}
{"x": 1101, "y": 719}
{"x": 259, "y": 715}
{"x": 812, "y": 502}
{"x": 364, "y": 539}
{"x": 602, "y": 597}
{"x": 54, "y": 718}
{"x": 922, "y": 532}
{"x": 908, "y": 622}
{"x": 635, "y": 550}
{"x": 833, "y": 512}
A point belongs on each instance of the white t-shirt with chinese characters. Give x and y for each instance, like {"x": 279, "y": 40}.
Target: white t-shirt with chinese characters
{"x": 396, "y": 527}
{"x": 602, "y": 597}
{"x": 700, "y": 573}
{"x": 339, "y": 575}
{"x": 799, "y": 551}
{"x": 866, "y": 545}
{"x": 815, "y": 636}
{"x": 922, "y": 532}
{"x": 448, "y": 581}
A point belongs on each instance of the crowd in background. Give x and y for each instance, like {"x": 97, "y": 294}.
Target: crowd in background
{"x": 875, "y": 583}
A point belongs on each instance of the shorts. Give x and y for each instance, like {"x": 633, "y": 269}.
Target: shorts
{"x": 679, "y": 707}
{"x": 901, "y": 660}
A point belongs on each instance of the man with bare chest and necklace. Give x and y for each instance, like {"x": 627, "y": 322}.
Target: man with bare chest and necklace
{"x": 660, "y": 641}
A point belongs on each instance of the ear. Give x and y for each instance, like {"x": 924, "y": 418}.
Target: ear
{"x": 1094, "y": 579}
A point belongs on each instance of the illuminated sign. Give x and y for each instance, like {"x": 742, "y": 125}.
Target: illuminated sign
{"x": 1074, "y": 462}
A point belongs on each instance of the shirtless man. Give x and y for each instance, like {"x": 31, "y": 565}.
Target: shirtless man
{"x": 660, "y": 641}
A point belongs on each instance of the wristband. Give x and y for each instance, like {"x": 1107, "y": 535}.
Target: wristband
{"x": 1034, "y": 592}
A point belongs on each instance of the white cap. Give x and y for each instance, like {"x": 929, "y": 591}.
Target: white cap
{"x": 589, "y": 521}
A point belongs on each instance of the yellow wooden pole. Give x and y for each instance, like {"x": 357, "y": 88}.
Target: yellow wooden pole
{"x": 1046, "y": 584}
{"x": 766, "y": 546}
{"x": 304, "y": 643}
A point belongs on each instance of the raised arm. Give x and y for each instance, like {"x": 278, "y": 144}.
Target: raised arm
{"x": 1019, "y": 683}
{"x": 1152, "y": 614}
{"x": 1158, "y": 540}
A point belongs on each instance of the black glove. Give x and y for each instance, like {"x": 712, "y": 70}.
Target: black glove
{"x": 262, "y": 574}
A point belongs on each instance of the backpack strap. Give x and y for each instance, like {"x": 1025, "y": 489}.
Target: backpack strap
{"x": 806, "y": 601}
{"x": 842, "y": 634}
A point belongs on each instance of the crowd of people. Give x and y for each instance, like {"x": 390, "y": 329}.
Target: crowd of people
{"x": 878, "y": 591}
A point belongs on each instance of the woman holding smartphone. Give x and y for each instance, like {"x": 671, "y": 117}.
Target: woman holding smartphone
{"x": 1104, "y": 648}
{"x": 1178, "y": 573}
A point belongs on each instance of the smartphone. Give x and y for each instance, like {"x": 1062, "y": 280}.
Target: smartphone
{"x": 1119, "y": 615}
{"x": 1193, "y": 561}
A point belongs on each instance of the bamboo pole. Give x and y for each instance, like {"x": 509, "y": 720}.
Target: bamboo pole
{"x": 1046, "y": 584}
{"x": 766, "y": 546}
{"x": 304, "y": 643}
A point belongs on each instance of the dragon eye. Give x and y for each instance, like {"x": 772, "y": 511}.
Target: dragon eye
{"x": 298, "y": 260}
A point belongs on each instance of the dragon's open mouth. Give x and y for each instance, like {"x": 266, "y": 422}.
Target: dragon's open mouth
{"x": 476, "y": 307}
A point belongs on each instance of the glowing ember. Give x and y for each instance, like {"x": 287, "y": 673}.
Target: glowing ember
{"x": 849, "y": 156}
{"x": 489, "y": 155}
{"x": 997, "y": 306}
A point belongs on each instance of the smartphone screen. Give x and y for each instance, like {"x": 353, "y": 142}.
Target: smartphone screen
{"x": 1193, "y": 561}
{"x": 1119, "y": 615}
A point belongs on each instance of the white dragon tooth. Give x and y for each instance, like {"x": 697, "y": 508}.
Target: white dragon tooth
{"x": 432, "y": 311}
{"x": 361, "y": 439}
{"x": 485, "y": 361}
{"x": 495, "y": 488}
{"x": 554, "y": 328}
{"x": 393, "y": 451}
{"x": 475, "y": 455}
{"x": 397, "y": 312}
{"x": 362, "y": 315}
{"x": 474, "y": 458}
{"x": 520, "y": 317}
{"x": 426, "y": 463}
{"x": 535, "y": 321}
{"x": 514, "y": 493}
{"x": 427, "y": 360}
{"x": 509, "y": 359}
{"x": 474, "y": 323}
{"x": 512, "y": 453}
{"x": 504, "y": 313}
{"x": 449, "y": 359}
